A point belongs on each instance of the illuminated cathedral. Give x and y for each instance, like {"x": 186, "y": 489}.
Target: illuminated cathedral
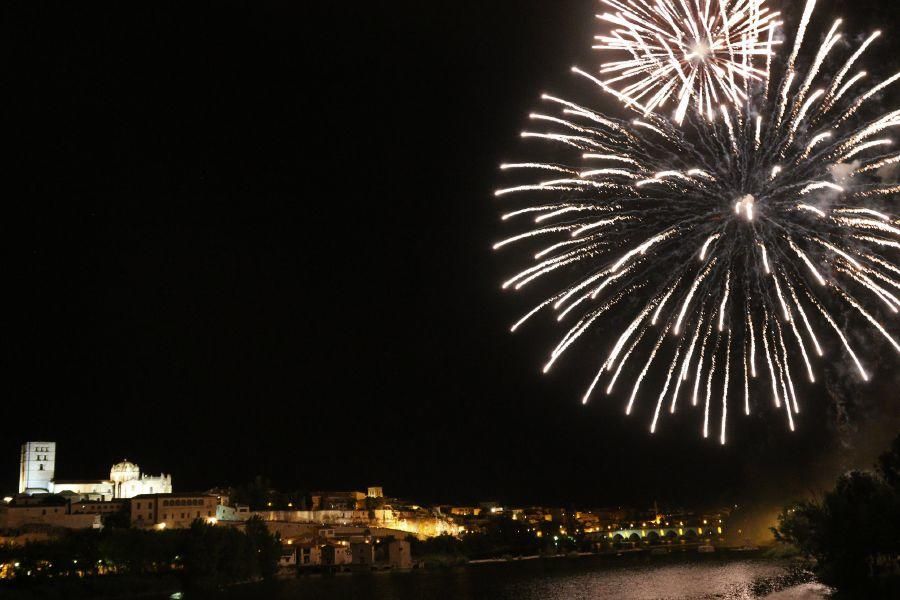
{"x": 37, "y": 475}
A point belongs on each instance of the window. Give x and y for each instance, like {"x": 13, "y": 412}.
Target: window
{"x": 139, "y": 505}
{"x": 40, "y": 467}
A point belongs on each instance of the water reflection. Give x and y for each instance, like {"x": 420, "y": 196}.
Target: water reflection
{"x": 558, "y": 580}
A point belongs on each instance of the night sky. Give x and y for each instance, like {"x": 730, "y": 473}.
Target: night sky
{"x": 256, "y": 240}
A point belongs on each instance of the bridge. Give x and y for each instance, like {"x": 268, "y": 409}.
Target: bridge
{"x": 653, "y": 531}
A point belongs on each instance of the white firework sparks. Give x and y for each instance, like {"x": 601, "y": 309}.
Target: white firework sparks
{"x": 735, "y": 235}
{"x": 704, "y": 53}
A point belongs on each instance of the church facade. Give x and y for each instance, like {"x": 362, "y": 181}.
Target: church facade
{"x": 37, "y": 468}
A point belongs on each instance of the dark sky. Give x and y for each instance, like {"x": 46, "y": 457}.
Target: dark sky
{"x": 255, "y": 239}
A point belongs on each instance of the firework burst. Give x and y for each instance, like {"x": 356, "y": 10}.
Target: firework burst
{"x": 723, "y": 247}
{"x": 705, "y": 52}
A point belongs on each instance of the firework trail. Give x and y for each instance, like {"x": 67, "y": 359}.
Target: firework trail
{"x": 680, "y": 51}
{"x": 734, "y": 235}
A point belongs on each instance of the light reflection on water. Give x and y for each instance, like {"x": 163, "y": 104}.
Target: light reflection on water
{"x": 555, "y": 580}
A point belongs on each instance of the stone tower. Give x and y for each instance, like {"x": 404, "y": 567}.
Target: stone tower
{"x": 36, "y": 466}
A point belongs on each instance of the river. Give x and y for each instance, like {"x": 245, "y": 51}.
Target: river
{"x": 559, "y": 579}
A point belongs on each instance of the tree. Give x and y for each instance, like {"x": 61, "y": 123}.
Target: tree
{"x": 256, "y": 494}
{"x": 853, "y": 532}
{"x": 889, "y": 465}
{"x": 266, "y": 546}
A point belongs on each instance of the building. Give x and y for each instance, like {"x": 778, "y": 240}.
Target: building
{"x": 375, "y": 491}
{"x": 230, "y": 513}
{"x": 37, "y": 466}
{"x": 464, "y": 511}
{"x": 309, "y": 555}
{"x": 44, "y": 509}
{"x": 335, "y": 555}
{"x": 130, "y": 482}
{"x": 95, "y": 507}
{"x": 125, "y": 481}
{"x": 102, "y": 491}
{"x": 288, "y": 557}
{"x": 345, "y": 501}
{"x": 224, "y": 509}
{"x": 362, "y": 554}
{"x": 422, "y": 524}
{"x": 172, "y": 511}
{"x": 399, "y": 554}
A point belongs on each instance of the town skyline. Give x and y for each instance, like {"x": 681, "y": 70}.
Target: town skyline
{"x": 45, "y": 504}
{"x": 37, "y": 474}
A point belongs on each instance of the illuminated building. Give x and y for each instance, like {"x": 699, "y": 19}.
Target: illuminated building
{"x": 37, "y": 467}
{"x": 44, "y": 509}
{"x": 172, "y": 511}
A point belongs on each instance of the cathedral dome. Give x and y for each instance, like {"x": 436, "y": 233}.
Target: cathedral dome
{"x": 124, "y": 471}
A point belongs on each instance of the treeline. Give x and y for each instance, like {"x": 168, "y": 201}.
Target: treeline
{"x": 853, "y": 532}
{"x": 203, "y": 556}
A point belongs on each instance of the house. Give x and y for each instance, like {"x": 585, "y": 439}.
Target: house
{"x": 308, "y": 555}
{"x": 288, "y": 557}
{"x": 335, "y": 555}
{"x": 362, "y": 553}
{"x": 399, "y": 555}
